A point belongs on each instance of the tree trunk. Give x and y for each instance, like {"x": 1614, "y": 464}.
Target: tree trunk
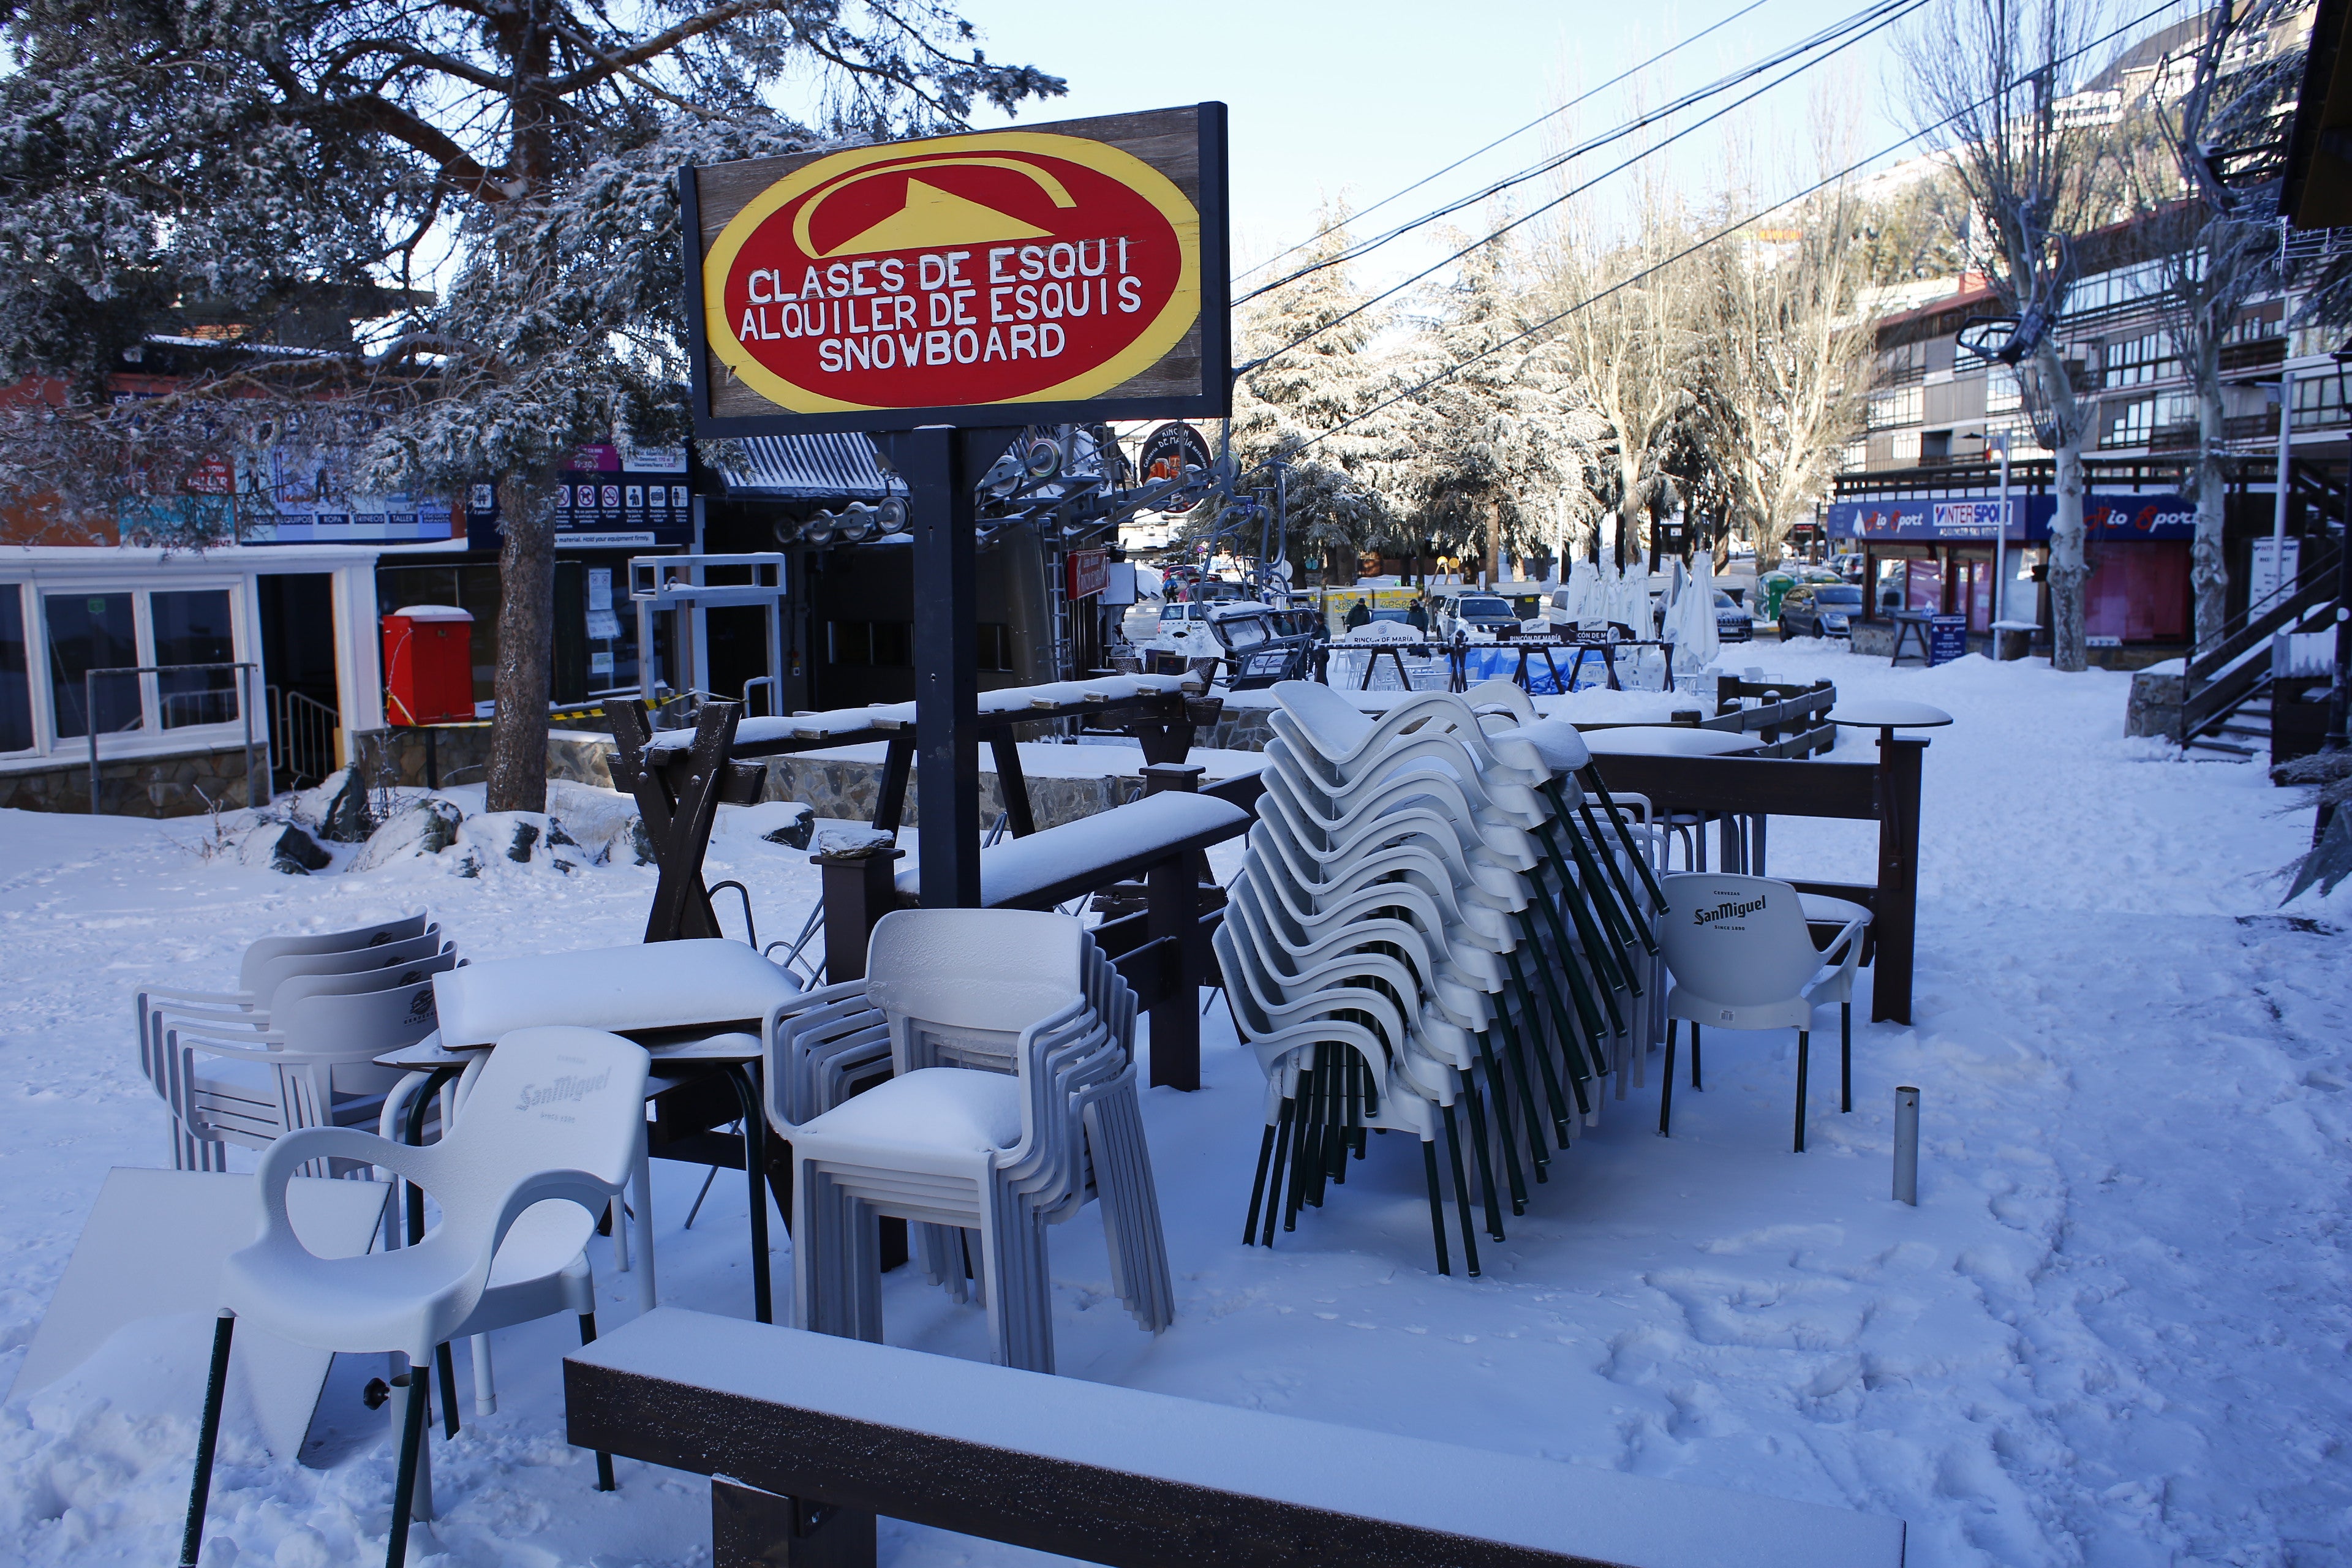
{"x": 518, "y": 772}
{"x": 2069, "y": 569}
{"x": 2208, "y": 575}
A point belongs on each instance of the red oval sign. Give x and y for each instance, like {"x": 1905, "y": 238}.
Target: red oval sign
{"x": 1001, "y": 267}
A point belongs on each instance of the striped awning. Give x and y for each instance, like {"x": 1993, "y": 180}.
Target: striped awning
{"x": 811, "y": 468}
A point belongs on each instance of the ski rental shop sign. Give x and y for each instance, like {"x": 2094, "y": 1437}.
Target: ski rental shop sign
{"x": 1062, "y": 272}
{"x": 607, "y": 497}
{"x": 2108, "y": 516}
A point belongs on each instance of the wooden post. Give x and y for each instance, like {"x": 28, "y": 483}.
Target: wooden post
{"x": 1895, "y": 917}
{"x": 1011, "y": 784}
{"x": 754, "y": 1529}
{"x": 939, "y": 466}
{"x": 860, "y": 887}
{"x": 1173, "y": 909}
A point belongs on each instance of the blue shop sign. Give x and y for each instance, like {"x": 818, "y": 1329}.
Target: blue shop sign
{"x": 2107, "y": 515}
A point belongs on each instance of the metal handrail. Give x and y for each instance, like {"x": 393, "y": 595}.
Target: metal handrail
{"x": 244, "y": 707}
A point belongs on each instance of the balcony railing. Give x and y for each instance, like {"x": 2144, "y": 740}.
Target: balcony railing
{"x": 2251, "y": 427}
{"x": 2255, "y": 354}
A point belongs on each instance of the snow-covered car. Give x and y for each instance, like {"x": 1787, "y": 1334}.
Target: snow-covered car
{"x": 1820, "y": 610}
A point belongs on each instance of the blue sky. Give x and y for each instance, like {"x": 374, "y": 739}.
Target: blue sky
{"x": 1364, "y": 98}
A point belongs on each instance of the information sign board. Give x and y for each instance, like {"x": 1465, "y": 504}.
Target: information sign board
{"x": 1947, "y": 639}
{"x": 1015, "y": 277}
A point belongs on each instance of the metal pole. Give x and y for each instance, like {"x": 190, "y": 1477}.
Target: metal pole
{"x": 1907, "y": 1146}
{"x": 2286, "y": 434}
{"x": 2338, "y": 699}
{"x": 244, "y": 708}
{"x": 89, "y": 721}
{"x": 2000, "y": 549}
{"x": 2278, "y": 501}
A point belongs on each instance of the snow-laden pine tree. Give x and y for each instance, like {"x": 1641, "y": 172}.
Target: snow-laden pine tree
{"x": 258, "y": 162}
{"x": 1312, "y": 372}
{"x": 1500, "y": 432}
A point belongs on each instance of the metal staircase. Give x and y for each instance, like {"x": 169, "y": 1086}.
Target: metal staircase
{"x": 2226, "y": 695}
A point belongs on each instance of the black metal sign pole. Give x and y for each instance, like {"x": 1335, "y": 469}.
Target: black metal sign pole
{"x": 941, "y": 465}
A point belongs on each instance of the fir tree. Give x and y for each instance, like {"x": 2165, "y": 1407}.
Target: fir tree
{"x": 1310, "y": 368}
{"x": 252, "y": 159}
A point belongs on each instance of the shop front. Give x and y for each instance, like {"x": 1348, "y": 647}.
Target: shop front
{"x": 1954, "y": 557}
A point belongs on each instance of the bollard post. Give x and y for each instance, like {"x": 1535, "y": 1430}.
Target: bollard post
{"x": 1907, "y": 1146}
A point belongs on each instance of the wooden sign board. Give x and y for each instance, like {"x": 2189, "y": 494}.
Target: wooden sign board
{"x": 1025, "y": 276}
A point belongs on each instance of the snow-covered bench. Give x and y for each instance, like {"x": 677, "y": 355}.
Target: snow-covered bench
{"x": 807, "y": 1438}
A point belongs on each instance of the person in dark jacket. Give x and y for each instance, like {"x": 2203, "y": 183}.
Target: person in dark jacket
{"x": 1418, "y": 616}
{"x": 1360, "y": 614}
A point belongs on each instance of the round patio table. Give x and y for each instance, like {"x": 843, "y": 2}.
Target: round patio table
{"x": 1887, "y": 714}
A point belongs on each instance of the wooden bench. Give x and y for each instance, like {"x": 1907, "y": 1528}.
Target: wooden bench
{"x": 808, "y": 1437}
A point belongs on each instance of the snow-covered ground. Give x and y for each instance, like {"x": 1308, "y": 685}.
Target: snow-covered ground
{"x": 2115, "y": 1331}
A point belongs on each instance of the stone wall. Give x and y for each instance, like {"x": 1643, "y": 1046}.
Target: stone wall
{"x": 463, "y": 754}
{"x": 2154, "y": 705}
{"x": 848, "y": 791}
{"x": 138, "y": 786}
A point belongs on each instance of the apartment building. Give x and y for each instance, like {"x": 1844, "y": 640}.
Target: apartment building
{"x": 1919, "y": 496}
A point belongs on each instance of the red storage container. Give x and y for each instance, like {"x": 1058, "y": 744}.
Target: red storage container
{"x": 429, "y": 665}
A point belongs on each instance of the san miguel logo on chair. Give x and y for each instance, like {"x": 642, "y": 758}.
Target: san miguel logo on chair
{"x": 1004, "y": 266}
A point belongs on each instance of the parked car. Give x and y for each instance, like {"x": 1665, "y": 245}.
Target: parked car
{"x": 1820, "y": 610}
{"x": 1485, "y": 612}
{"x": 1731, "y": 623}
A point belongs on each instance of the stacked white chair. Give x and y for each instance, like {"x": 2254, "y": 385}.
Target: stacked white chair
{"x": 313, "y": 1064}
{"x": 275, "y": 973}
{"x": 1011, "y": 1101}
{"x": 1427, "y": 915}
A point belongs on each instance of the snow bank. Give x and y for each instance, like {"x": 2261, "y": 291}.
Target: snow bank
{"x": 2114, "y": 1330}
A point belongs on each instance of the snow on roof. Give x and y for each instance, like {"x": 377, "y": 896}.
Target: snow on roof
{"x": 813, "y": 467}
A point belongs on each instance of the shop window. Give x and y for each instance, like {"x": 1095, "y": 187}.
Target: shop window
{"x": 887, "y": 645}
{"x": 1923, "y": 586}
{"x": 88, "y": 632}
{"x": 195, "y": 628}
{"x": 995, "y": 646}
{"x": 16, "y": 674}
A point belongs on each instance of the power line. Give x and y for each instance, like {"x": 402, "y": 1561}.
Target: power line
{"x": 1506, "y": 136}
{"x": 1857, "y": 166}
{"x": 1870, "y": 19}
{"x": 1573, "y": 192}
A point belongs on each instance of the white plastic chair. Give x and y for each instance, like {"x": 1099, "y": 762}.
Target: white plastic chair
{"x": 1013, "y": 1102}
{"x": 260, "y": 980}
{"x": 1742, "y": 957}
{"x": 547, "y": 1137}
{"x": 315, "y": 1067}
